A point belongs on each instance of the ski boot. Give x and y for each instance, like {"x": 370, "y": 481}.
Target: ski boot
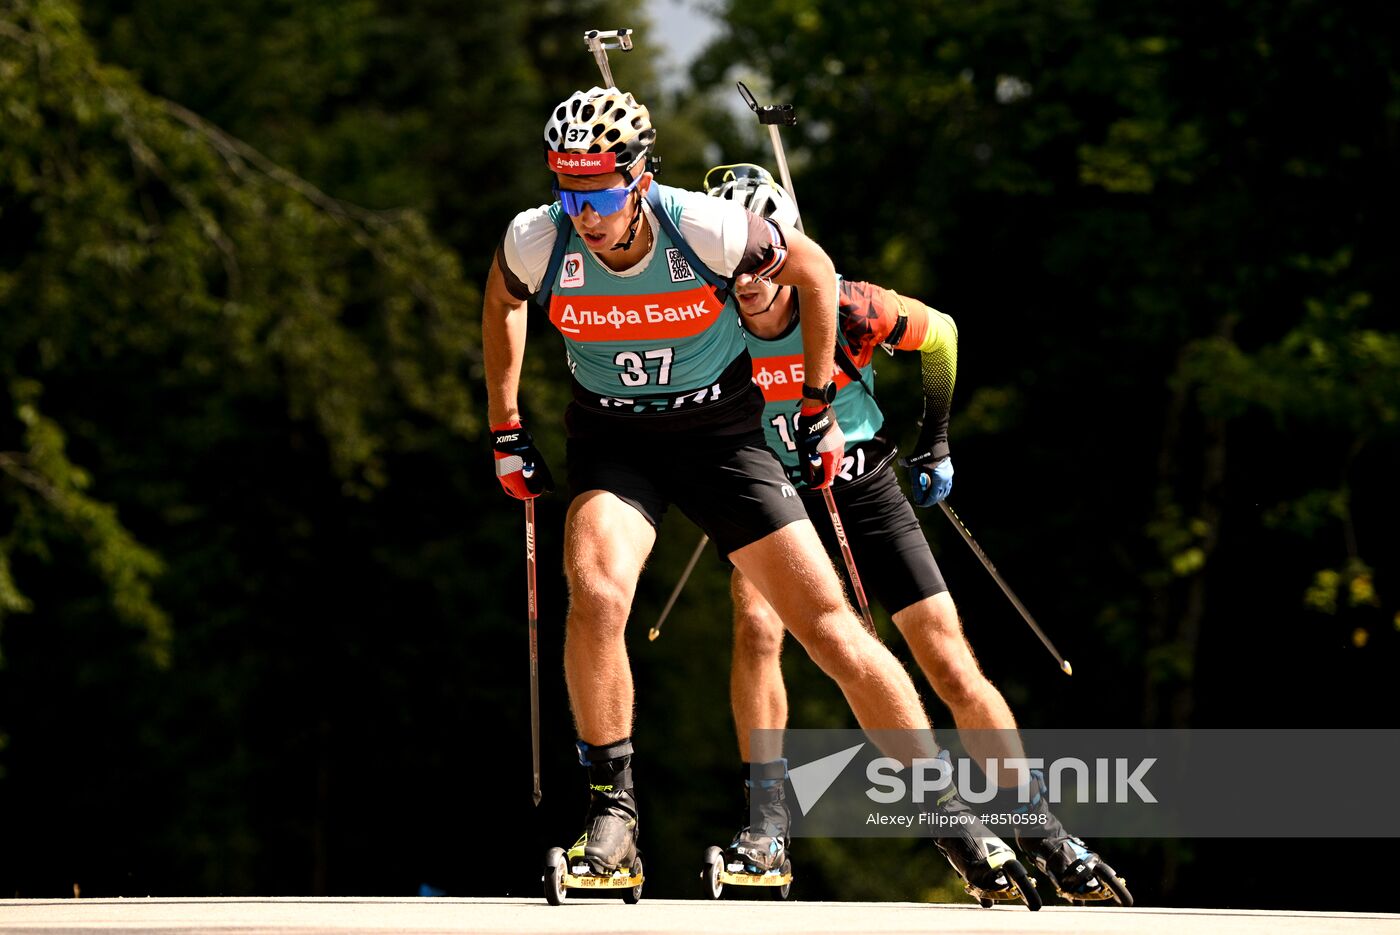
{"x": 605, "y": 856}
{"x": 1078, "y": 874}
{"x": 758, "y": 854}
{"x": 989, "y": 868}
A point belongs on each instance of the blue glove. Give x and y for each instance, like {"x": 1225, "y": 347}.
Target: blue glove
{"x": 930, "y": 483}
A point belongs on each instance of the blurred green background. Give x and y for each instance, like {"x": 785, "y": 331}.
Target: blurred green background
{"x": 262, "y": 623}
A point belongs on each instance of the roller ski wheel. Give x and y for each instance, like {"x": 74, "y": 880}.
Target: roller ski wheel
{"x": 554, "y": 890}
{"x": 1022, "y": 881}
{"x": 714, "y": 866}
{"x": 1019, "y": 886}
{"x": 783, "y": 890}
{"x": 1111, "y": 887}
{"x": 633, "y": 894}
{"x": 1110, "y": 878}
{"x": 727, "y": 869}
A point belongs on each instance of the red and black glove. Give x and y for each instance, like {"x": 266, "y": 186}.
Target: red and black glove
{"x": 519, "y": 465}
{"x": 820, "y": 444}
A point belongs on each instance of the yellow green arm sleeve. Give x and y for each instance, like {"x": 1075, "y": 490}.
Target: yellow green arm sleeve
{"x": 939, "y": 366}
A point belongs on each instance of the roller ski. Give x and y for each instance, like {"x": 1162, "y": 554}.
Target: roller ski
{"x": 1078, "y": 874}
{"x": 758, "y": 855}
{"x": 605, "y": 857}
{"x": 989, "y": 868}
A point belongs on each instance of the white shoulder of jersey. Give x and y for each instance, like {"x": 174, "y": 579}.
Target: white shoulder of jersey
{"x": 715, "y": 228}
{"x": 529, "y": 241}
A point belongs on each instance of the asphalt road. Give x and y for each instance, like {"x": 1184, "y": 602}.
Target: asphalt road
{"x": 580, "y": 916}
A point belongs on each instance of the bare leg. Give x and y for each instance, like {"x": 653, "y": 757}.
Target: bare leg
{"x": 794, "y": 574}
{"x": 756, "y": 689}
{"x": 606, "y": 542}
{"x": 934, "y": 634}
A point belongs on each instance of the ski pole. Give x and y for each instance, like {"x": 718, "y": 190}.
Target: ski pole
{"x": 533, "y": 612}
{"x": 849, "y": 558}
{"x": 655, "y": 631}
{"x": 772, "y": 116}
{"x": 596, "y": 41}
{"x": 1065, "y": 667}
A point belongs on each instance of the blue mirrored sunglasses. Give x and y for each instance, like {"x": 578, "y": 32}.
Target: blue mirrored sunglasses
{"x": 605, "y": 201}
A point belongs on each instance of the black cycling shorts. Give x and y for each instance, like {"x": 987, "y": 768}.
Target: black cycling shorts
{"x": 732, "y": 486}
{"x": 893, "y": 558}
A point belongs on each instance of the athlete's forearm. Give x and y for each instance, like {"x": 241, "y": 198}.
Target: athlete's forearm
{"x": 938, "y": 352}
{"x": 503, "y": 322}
{"x": 811, "y": 271}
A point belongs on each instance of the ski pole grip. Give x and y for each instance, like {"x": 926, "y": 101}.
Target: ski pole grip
{"x": 782, "y": 115}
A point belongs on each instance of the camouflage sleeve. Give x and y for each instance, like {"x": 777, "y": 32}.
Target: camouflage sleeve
{"x": 869, "y": 316}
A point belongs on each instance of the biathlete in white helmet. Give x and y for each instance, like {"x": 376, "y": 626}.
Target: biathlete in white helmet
{"x": 893, "y": 559}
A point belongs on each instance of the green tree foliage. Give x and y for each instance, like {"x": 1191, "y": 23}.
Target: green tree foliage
{"x": 145, "y": 237}
{"x": 211, "y": 368}
{"x": 51, "y": 503}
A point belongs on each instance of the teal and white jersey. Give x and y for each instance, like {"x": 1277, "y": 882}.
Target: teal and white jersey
{"x": 655, "y": 338}
{"x": 862, "y": 324}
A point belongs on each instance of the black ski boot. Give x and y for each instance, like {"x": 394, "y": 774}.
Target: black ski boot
{"x": 762, "y": 845}
{"x": 609, "y": 842}
{"x": 1077, "y": 873}
{"x": 988, "y": 867}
